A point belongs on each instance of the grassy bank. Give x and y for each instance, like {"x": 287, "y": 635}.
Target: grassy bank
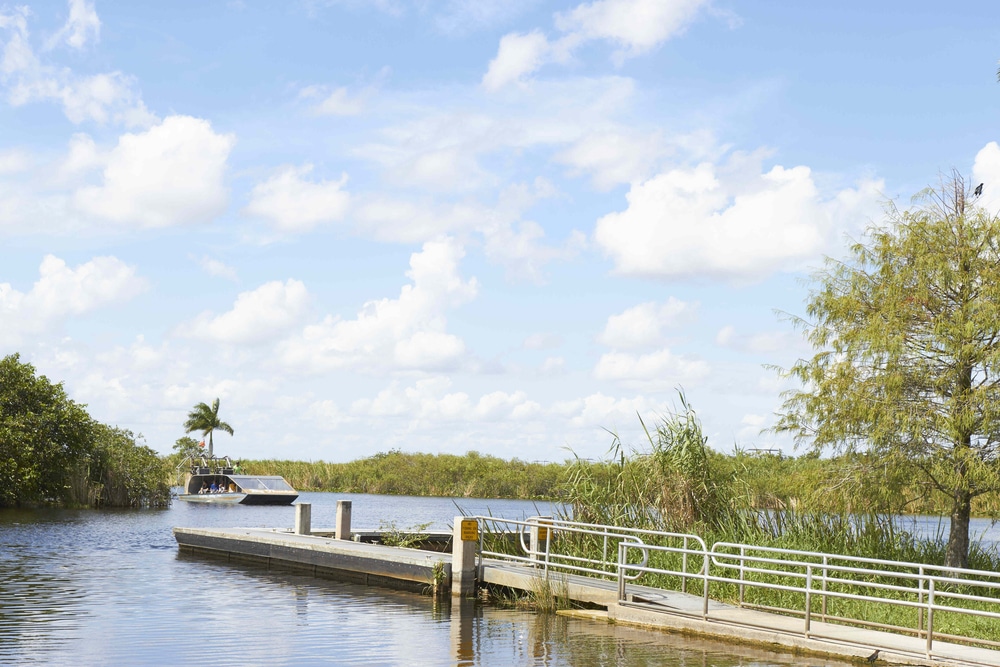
{"x": 472, "y": 475}
{"x": 841, "y": 485}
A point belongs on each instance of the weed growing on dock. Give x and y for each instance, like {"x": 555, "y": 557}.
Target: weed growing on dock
{"x": 392, "y": 536}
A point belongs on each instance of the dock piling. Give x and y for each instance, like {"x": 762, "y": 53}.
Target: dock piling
{"x": 464, "y": 541}
{"x": 303, "y": 518}
{"x": 343, "y": 528}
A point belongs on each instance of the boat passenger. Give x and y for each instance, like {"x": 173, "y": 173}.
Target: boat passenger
{"x": 214, "y": 488}
{"x": 204, "y": 488}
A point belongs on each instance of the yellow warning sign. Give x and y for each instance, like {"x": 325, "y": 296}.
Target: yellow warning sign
{"x": 543, "y": 533}
{"x": 470, "y": 530}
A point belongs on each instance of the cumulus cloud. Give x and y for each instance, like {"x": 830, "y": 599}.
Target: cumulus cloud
{"x": 731, "y": 221}
{"x": 82, "y": 26}
{"x": 292, "y": 203}
{"x": 643, "y": 326}
{"x": 257, "y": 316}
{"x": 103, "y": 97}
{"x": 517, "y": 56}
{"x": 634, "y": 26}
{"x": 172, "y": 174}
{"x": 406, "y": 332}
{"x": 657, "y": 370}
{"x": 613, "y": 156}
{"x": 603, "y": 411}
{"x": 62, "y": 292}
{"x": 430, "y": 400}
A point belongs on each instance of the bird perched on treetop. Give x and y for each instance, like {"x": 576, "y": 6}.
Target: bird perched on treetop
{"x": 979, "y": 190}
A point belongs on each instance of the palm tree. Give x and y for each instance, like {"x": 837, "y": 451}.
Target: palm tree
{"x": 206, "y": 419}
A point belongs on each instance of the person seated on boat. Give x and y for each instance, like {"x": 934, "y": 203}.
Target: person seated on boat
{"x": 204, "y": 488}
{"x": 214, "y": 488}
{"x": 232, "y": 487}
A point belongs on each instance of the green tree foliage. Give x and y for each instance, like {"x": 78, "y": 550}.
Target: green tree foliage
{"x": 126, "y": 474}
{"x": 907, "y": 369}
{"x": 43, "y": 436}
{"x": 186, "y": 447}
{"x": 205, "y": 418}
{"x": 51, "y": 451}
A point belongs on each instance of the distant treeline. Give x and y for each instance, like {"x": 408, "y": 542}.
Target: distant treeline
{"x": 53, "y": 453}
{"x": 806, "y": 483}
{"x": 472, "y": 475}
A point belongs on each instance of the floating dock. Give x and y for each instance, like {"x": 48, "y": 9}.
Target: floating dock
{"x": 328, "y": 553}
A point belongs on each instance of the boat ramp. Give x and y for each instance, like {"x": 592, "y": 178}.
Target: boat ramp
{"x": 534, "y": 556}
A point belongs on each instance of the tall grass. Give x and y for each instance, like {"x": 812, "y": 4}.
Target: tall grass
{"x": 677, "y": 484}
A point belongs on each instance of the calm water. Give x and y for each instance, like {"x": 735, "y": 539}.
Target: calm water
{"x": 109, "y": 588}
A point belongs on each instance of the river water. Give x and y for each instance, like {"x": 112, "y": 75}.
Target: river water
{"x": 109, "y": 587}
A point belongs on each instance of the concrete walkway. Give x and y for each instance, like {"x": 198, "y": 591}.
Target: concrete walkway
{"x": 680, "y": 612}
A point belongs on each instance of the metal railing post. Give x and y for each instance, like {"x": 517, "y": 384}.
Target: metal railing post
{"x": 824, "y": 586}
{"x": 930, "y": 616}
{"x": 622, "y": 559}
{"x": 743, "y": 553}
{"x": 684, "y": 567}
{"x": 809, "y": 585}
{"x": 704, "y": 605}
{"x": 920, "y": 600}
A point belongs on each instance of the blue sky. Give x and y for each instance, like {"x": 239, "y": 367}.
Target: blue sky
{"x": 508, "y": 227}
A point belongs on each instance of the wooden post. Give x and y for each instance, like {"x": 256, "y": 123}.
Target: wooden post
{"x": 464, "y": 542}
{"x": 343, "y": 529}
{"x": 303, "y": 518}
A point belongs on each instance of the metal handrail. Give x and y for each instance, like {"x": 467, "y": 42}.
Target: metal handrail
{"x": 806, "y": 572}
{"x": 926, "y": 582}
{"x": 541, "y": 553}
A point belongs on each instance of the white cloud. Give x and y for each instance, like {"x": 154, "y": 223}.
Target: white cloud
{"x": 62, "y": 292}
{"x": 172, "y": 174}
{"x": 430, "y": 400}
{"x": 406, "y": 332}
{"x": 613, "y": 156}
{"x": 14, "y": 161}
{"x": 642, "y": 326}
{"x": 603, "y": 411}
{"x": 760, "y": 343}
{"x": 657, "y": 370}
{"x": 82, "y": 25}
{"x": 542, "y": 341}
{"x": 635, "y": 26}
{"x": 522, "y": 250}
{"x": 517, "y": 56}
{"x": 104, "y": 97}
{"x": 217, "y": 268}
{"x": 731, "y": 221}
{"x": 294, "y": 204}
{"x": 986, "y": 170}
{"x": 340, "y": 101}
{"x": 257, "y": 316}
{"x": 553, "y": 366}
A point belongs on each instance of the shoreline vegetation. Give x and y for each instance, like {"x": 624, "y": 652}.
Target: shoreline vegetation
{"x": 52, "y": 452}
{"x": 773, "y": 481}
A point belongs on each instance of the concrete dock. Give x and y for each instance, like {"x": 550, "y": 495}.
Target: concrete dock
{"x": 320, "y": 553}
